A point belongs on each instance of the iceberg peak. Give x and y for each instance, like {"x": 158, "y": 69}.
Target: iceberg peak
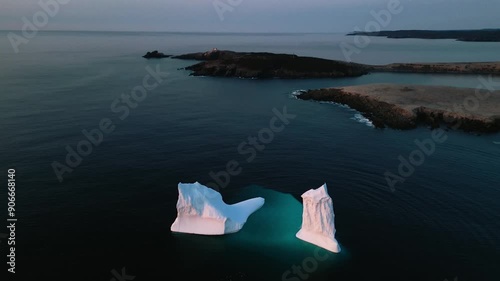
{"x": 201, "y": 210}
{"x": 318, "y": 219}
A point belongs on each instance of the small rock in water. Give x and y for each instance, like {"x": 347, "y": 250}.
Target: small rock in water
{"x": 155, "y": 55}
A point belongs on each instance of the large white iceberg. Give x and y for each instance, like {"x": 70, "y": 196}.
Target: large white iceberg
{"x": 318, "y": 219}
{"x": 201, "y": 210}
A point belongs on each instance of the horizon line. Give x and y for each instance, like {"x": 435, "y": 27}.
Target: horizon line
{"x": 187, "y": 31}
{"x": 247, "y": 32}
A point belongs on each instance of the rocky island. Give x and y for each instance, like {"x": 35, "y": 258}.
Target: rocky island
{"x": 408, "y": 106}
{"x": 481, "y": 35}
{"x": 269, "y": 65}
{"x": 218, "y": 63}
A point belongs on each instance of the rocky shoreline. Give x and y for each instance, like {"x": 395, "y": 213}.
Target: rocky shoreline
{"x": 409, "y": 106}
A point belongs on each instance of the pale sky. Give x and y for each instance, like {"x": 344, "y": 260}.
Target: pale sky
{"x": 250, "y": 15}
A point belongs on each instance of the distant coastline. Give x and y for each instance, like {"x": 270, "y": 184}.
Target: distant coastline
{"x": 480, "y": 35}
{"x": 385, "y": 105}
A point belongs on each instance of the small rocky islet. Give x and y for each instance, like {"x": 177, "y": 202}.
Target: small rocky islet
{"x": 155, "y": 55}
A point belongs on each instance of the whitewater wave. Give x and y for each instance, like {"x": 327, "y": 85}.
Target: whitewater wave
{"x": 361, "y": 119}
{"x": 296, "y": 93}
{"x": 358, "y": 117}
{"x": 341, "y": 105}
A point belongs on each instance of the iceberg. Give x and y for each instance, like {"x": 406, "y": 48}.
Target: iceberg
{"x": 318, "y": 219}
{"x": 201, "y": 210}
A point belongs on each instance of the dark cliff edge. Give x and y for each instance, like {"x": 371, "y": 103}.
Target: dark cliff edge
{"x": 268, "y": 65}
{"x": 407, "y": 107}
{"x": 480, "y": 35}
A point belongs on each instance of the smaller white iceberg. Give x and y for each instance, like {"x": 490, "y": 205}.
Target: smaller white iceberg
{"x": 318, "y": 219}
{"x": 201, "y": 210}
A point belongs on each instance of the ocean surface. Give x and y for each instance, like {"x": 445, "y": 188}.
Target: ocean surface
{"x": 111, "y": 213}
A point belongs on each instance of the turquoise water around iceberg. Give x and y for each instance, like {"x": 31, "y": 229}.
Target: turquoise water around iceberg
{"x": 266, "y": 247}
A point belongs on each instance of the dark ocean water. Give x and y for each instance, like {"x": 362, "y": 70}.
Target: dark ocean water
{"x": 115, "y": 208}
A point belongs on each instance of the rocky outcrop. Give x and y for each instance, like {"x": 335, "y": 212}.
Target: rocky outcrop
{"x": 380, "y": 113}
{"x": 269, "y": 65}
{"x": 155, "y": 55}
{"x": 408, "y": 106}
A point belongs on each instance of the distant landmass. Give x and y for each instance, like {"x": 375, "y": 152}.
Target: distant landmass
{"x": 480, "y": 35}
